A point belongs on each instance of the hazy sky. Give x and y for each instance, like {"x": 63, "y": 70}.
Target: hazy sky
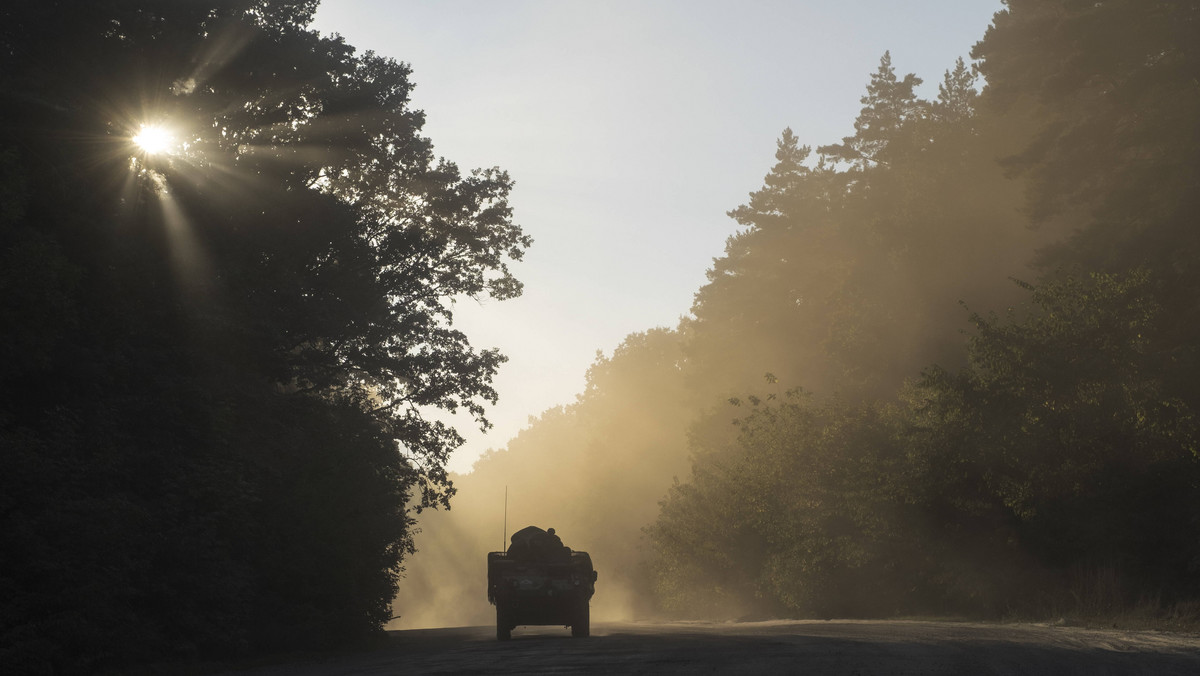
{"x": 630, "y": 127}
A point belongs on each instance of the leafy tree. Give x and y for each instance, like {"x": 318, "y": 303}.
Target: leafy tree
{"x": 807, "y": 514}
{"x": 219, "y": 360}
{"x": 1065, "y": 447}
{"x": 1077, "y": 431}
{"x": 593, "y": 470}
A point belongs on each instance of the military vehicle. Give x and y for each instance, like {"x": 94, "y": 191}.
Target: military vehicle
{"x": 538, "y": 580}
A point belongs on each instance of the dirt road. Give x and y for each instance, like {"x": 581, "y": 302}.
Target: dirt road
{"x": 807, "y": 647}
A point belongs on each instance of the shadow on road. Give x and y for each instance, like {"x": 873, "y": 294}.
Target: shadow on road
{"x": 772, "y": 647}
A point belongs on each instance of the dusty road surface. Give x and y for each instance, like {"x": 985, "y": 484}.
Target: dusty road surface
{"x": 783, "y": 647}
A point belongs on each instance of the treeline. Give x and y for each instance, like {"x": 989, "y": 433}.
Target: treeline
{"x": 594, "y": 470}
{"x": 1047, "y": 465}
{"x": 1056, "y": 473}
{"x": 216, "y": 362}
{"x": 977, "y": 320}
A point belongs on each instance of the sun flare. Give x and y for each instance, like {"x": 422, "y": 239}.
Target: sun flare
{"x": 153, "y": 139}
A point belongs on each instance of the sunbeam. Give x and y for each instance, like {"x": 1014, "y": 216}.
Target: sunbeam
{"x": 188, "y": 257}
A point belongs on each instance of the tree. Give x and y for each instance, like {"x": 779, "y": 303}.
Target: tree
{"x": 1064, "y": 460}
{"x": 1067, "y": 446}
{"x": 1066, "y": 442}
{"x": 956, "y": 101}
{"x": 889, "y": 105}
{"x": 763, "y": 307}
{"x": 1112, "y": 85}
{"x": 594, "y": 470}
{"x": 848, "y": 268}
{"x": 806, "y": 515}
{"x": 219, "y": 359}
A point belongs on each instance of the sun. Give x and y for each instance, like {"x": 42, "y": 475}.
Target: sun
{"x": 153, "y": 139}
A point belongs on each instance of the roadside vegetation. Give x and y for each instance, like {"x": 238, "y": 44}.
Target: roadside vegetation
{"x": 228, "y": 259}
{"x": 947, "y": 366}
{"x": 1034, "y": 455}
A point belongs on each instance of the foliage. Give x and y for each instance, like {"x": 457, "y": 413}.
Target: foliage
{"x": 594, "y": 470}
{"x": 1062, "y": 448}
{"x": 218, "y": 362}
{"x": 1112, "y": 85}
{"x": 820, "y": 533}
{"x": 1078, "y": 432}
{"x": 925, "y": 471}
{"x": 847, "y": 272}
{"x": 1057, "y": 445}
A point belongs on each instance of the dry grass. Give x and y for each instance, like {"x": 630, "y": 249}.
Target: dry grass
{"x": 1096, "y": 598}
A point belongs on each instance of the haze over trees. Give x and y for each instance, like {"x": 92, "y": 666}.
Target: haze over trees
{"x": 218, "y": 356}
{"x": 217, "y": 361}
{"x": 958, "y": 350}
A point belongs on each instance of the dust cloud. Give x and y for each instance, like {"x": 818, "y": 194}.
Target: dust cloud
{"x": 841, "y": 282}
{"x": 594, "y": 471}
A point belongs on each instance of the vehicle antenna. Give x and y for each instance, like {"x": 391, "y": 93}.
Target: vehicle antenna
{"x": 504, "y": 542}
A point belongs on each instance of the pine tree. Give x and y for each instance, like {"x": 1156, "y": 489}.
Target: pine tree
{"x": 889, "y": 104}
{"x": 956, "y": 95}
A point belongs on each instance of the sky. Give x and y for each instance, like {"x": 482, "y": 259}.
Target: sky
{"x": 630, "y": 129}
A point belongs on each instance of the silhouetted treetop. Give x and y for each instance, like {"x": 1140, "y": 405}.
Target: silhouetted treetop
{"x": 957, "y": 94}
{"x": 888, "y": 105}
{"x": 224, "y": 355}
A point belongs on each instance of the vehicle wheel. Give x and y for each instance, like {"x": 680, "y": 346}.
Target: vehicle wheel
{"x": 503, "y": 628}
{"x": 581, "y": 627}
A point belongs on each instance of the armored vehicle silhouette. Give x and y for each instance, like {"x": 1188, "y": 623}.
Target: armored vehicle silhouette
{"x": 537, "y": 580}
